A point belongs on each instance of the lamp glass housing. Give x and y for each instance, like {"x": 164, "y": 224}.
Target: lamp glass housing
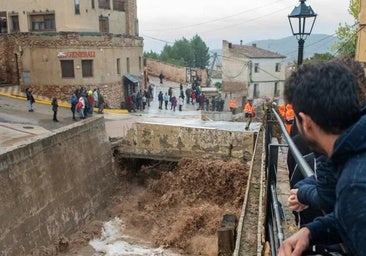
{"x": 302, "y": 19}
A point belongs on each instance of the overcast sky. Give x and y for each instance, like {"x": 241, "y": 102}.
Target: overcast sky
{"x": 165, "y": 21}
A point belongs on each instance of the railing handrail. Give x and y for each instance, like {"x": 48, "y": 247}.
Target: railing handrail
{"x": 274, "y": 219}
{"x": 303, "y": 165}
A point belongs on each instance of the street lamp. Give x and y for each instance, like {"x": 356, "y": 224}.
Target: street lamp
{"x": 302, "y": 19}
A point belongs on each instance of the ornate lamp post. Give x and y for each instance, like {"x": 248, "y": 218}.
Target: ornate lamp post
{"x": 302, "y": 19}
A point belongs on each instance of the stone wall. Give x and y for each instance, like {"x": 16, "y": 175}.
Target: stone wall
{"x": 8, "y": 54}
{"x": 108, "y": 90}
{"x": 131, "y": 18}
{"x": 171, "y": 72}
{"x": 49, "y": 187}
{"x": 168, "y": 142}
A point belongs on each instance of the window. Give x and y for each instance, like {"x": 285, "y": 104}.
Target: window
{"x": 140, "y": 63}
{"x": 77, "y": 6}
{"x": 278, "y": 67}
{"x": 104, "y": 4}
{"x": 119, "y": 5}
{"x": 67, "y": 69}
{"x": 118, "y": 66}
{"x": 87, "y": 68}
{"x": 92, "y": 4}
{"x": 103, "y": 24}
{"x": 256, "y": 67}
{"x": 3, "y": 23}
{"x": 14, "y": 19}
{"x": 41, "y": 22}
{"x": 128, "y": 65}
{"x": 256, "y": 91}
{"x": 276, "y": 90}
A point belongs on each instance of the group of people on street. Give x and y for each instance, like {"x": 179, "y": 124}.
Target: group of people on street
{"x": 84, "y": 101}
{"x": 140, "y": 100}
{"x": 328, "y": 104}
{"x": 169, "y": 97}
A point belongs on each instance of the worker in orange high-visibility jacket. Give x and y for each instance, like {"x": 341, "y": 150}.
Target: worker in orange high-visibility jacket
{"x": 249, "y": 113}
{"x": 282, "y": 110}
{"x": 232, "y": 105}
{"x": 289, "y": 117}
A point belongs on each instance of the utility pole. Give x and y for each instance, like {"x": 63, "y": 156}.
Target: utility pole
{"x": 209, "y": 74}
{"x": 361, "y": 34}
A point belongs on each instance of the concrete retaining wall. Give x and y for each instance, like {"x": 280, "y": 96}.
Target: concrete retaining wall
{"x": 49, "y": 187}
{"x": 167, "y": 142}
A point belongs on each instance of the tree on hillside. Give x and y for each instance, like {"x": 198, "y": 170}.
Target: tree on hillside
{"x": 182, "y": 49}
{"x": 347, "y": 34}
{"x": 151, "y": 55}
{"x": 200, "y": 50}
{"x": 166, "y": 56}
{"x": 193, "y": 53}
{"x": 319, "y": 57}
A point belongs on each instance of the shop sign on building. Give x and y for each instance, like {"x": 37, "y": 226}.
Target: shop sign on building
{"x": 76, "y": 54}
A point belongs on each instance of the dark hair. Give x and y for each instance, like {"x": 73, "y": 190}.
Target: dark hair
{"x": 356, "y": 68}
{"x": 327, "y": 92}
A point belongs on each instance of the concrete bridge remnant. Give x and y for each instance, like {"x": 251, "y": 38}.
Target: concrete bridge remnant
{"x": 172, "y": 142}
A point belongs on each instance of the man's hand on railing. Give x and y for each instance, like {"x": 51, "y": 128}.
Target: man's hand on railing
{"x": 296, "y": 244}
{"x": 293, "y": 202}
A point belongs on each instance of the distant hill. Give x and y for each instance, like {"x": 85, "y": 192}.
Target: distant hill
{"x": 288, "y": 46}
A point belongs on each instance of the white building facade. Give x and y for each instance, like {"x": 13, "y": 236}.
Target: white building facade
{"x": 251, "y": 72}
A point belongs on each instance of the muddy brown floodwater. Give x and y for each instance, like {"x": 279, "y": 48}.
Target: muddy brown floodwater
{"x": 174, "y": 205}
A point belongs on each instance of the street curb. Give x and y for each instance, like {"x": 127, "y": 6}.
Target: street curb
{"x": 61, "y": 103}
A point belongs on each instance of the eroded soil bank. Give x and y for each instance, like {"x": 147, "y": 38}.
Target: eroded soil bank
{"x": 174, "y": 205}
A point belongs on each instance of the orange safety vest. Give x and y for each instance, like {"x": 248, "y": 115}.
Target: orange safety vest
{"x": 232, "y": 104}
{"x": 248, "y": 109}
{"x": 289, "y": 117}
{"x": 282, "y": 110}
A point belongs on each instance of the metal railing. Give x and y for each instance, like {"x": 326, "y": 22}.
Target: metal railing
{"x": 274, "y": 215}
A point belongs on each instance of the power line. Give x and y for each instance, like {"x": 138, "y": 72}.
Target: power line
{"x": 158, "y": 39}
{"x": 218, "y": 19}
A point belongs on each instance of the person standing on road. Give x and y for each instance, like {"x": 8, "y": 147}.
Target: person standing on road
{"x": 161, "y": 99}
{"x": 248, "y": 113}
{"x": 233, "y": 105}
{"x": 80, "y": 107}
{"x": 73, "y": 100}
{"x": 91, "y": 102}
{"x": 101, "y": 104}
{"x": 161, "y": 77}
{"x": 174, "y": 103}
{"x": 96, "y": 96}
{"x": 188, "y": 94}
{"x": 30, "y": 99}
{"x": 54, "y": 109}
{"x": 181, "y": 101}
{"x": 166, "y": 100}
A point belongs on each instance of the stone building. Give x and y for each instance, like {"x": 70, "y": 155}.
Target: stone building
{"x": 251, "y": 72}
{"x": 57, "y": 46}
